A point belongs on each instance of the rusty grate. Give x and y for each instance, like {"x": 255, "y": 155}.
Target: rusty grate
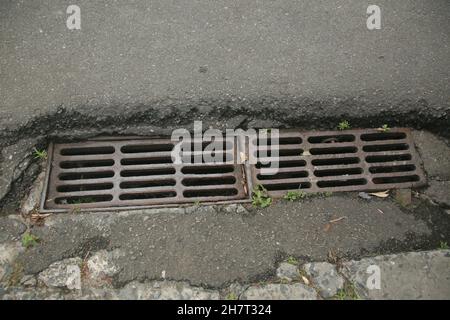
{"x": 129, "y": 173}
{"x": 348, "y": 160}
{"x": 137, "y": 173}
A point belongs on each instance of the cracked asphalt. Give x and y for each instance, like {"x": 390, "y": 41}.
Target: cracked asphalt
{"x": 210, "y": 247}
{"x": 290, "y": 61}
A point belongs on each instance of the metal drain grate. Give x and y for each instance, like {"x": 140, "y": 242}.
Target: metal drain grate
{"x": 135, "y": 173}
{"x": 347, "y": 160}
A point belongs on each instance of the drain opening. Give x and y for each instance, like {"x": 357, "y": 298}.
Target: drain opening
{"x": 335, "y": 150}
{"x": 283, "y": 175}
{"x": 148, "y": 195}
{"x": 341, "y": 183}
{"x": 141, "y": 161}
{"x": 146, "y": 148}
{"x": 87, "y": 151}
{"x": 208, "y": 181}
{"x": 281, "y": 164}
{"x": 210, "y": 193}
{"x": 383, "y": 136}
{"x": 388, "y": 158}
{"x": 84, "y": 187}
{"x": 147, "y": 184}
{"x": 401, "y": 168}
{"x": 147, "y": 172}
{"x": 332, "y": 138}
{"x": 85, "y": 175}
{"x": 334, "y": 161}
{"x": 86, "y": 164}
{"x": 287, "y": 186}
{"x": 83, "y": 199}
{"x": 337, "y": 172}
{"x": 399, "y": 179}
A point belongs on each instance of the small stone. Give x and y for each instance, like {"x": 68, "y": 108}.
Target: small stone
{"x": 165, "y": 290}
{"x": 28, "y": 281}
{"x": 33, "y": 199}
{"x": 403, "y": 196}
{"x": 287, "y": 271}
{"x": 240, "y": 209}
{"x": 412, "y": 275}
{"x": 296, "y": 291}
{"x": 101, "y": 264}
{"x": 364, "y": 195}
{"x": 63, "y": 274}
{"x": 325, "y": 277}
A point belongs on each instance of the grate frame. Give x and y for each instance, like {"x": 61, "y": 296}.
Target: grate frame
{"x": 50, "y": 191}
{"x": 312, "y": 169}
{"x": 311, "y": 149}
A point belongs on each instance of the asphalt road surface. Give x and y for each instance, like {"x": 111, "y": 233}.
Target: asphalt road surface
{"x": 134, "y": 55}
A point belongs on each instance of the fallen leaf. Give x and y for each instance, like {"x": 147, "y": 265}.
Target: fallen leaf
{"x": 381, "y": 194}
{"x": 327, "y": 227}
{"x": 38, "y": 218}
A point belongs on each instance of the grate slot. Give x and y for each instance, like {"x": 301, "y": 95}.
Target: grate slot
{"x": 337, "y": 172}
{"x": 287, "y": 186}
{"x": 87, "y": 151}
{"x": 147, "y": 172}
{"x": 84, "y": 187}
{"x": 341, "y": 183}
{"x": 338, "y": 138}
{"x": 283, "y": 175}
{"x": 147, "y": 148}
{"x": 147, "y": 184}
{"x": 212, "y": 169}
{"x": 335, "y": 161}
{"x": 148, "y": 195}
{"x": 393, "y": 168}
{"x": 332, "y": 150}
{"x": 144, "y": 161}
{"x": 83, "y": 200}
{"x": 380, "y": 136}
{"x": 388, "y": 158}
{"x": 396, "y": 179}
{"x": 210, "y": 193}
{"x": 208, "y": 181}
{"x": 86, "y": 164}
{"x": 85, "y": 175}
